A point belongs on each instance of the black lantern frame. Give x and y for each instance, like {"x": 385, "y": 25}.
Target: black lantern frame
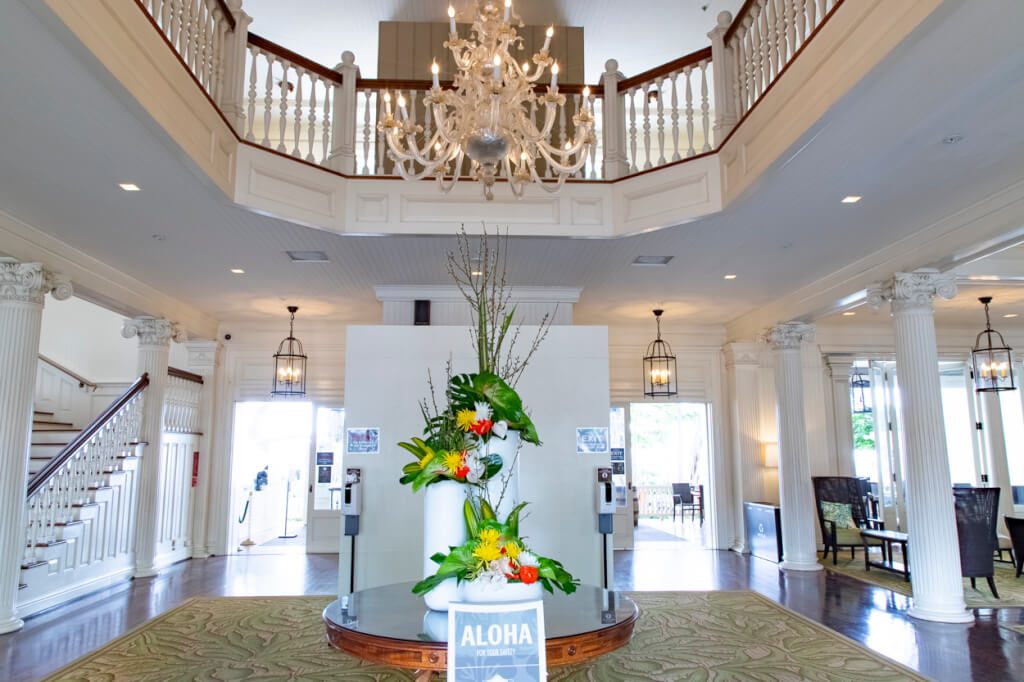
{"x": 290, "y": 363}
{"x": 992, "y": 360}
{"x": 860, "y": 392}
{"x": 659, "y": 366}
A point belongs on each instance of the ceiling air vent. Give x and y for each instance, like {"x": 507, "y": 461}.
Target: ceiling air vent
{"x": 652, "y": 260}
{"x": 308, "y": 256}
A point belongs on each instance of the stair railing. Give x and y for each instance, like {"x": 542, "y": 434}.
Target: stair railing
{"x": 68, "y": 479}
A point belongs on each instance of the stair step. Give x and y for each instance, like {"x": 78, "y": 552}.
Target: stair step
{"x": 47, "y": 414}
{"x": 51, "y": 543}
{"x": 53, "y": 426}
{"x": 47, "y": 437}
{"x": 33, "y": 564}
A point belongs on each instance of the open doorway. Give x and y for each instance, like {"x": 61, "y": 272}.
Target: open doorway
{"x": 670, "y": 455}
{"x": 270, "y": 461}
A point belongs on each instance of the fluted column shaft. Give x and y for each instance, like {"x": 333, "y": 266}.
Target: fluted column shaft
{"x": 23, "y": 287}
{"x": 154, "y": 346}
{"x": 842, "y": 414}
{"x": 203, "y": 360}
{"x": 799, "y": 548}
{"x": 995, "y": 455}
{"x": 931, "y": 520}
{"x": 742, "y": 367}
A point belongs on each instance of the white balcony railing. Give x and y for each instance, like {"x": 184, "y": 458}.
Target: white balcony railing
{"x": 279, "y": 100}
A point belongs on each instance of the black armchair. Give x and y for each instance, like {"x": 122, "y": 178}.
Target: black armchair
{"x": 1016, "y": 528}
{"x": 682, "y": 497}
{"x": 977, "y": 510}
{"x": 843, "y": 490}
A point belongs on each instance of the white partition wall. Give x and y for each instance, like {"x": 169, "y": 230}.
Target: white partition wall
{"x": 565, "y": 386}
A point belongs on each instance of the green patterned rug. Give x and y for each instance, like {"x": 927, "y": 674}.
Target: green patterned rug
{"x": 1011, "y": 589}
{"x": 680, "y": 636}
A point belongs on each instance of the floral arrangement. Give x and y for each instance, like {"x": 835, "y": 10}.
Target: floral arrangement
{"x": 496, "y": 555}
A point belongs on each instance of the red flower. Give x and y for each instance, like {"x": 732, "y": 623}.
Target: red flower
{"x": 481, "y": 427}
{"x": 528, "y": 574}
{"x": 462, "y": 472}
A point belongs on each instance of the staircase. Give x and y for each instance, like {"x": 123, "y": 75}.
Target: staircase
{"x": 49, "y": 438}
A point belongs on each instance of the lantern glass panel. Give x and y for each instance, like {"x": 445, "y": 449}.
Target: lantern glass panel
{"x": 289, "y": 369}
{"x": 659, "y": 368}
{"x": 993, "y": 368}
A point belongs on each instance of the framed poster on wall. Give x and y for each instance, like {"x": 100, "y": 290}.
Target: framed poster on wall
{"x": 592, "y": 439}
{"x": 363, "y": 441}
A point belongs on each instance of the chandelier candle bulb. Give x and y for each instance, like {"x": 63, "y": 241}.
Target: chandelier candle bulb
{"x": 435, "y": 70}
{"x": 451, "y": 19}
{"x": 497, "y": 65}
{"x": 554, "y": 76}
{"x": 508, "y": 9}
{"x": 547, "y": 39}
{"x": 387, "y": 103}
{"x": 401, "y": 107}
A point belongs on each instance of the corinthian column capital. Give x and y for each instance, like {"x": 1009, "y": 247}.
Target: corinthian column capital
{"x": 153, "y": 331}
{"x": 912, "y": 289}
{"x": 30, "y": 282}
{"x": 788, "y": 335}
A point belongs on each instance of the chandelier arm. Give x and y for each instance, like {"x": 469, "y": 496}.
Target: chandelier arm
{"x": 446, "y": 188}
{"x": 544, "y": 185}
{"x": 517, "y": 186}
{"x": 560, "y": 167}
{"x": 410, "y": 175}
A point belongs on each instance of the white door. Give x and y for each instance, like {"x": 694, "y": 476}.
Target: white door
{"x": 326, "y": 474}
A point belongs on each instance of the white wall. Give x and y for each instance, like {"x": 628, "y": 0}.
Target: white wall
{"x": 87, "y": 339}
{"x": 565, "y": 386}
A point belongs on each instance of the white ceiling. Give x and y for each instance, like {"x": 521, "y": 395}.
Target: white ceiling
{"x": 640, "y": 35}
{"x": 71, "y": 134}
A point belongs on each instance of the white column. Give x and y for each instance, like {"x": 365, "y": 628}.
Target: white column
{"x": 202, "y": 359}
{"x": 343, "y": 143}
{"x": 154, "y": 345}
{"x": 995, "y": 455}
{"x": 23, "y": 286}
{"x": 839, "y": 368}
{"x": 613, "y": 123}
{"x": 743, "y": 363}
{"x": 799, "y": 548}
{"x": 725, "y": 74}
{"x": 931, "y": 522}
{"x": 232, "y": 93}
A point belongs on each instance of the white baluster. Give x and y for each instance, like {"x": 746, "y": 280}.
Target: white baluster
{"x": 366, "y": 132}
{"x": 748, "y": 64}
{"x": 268, "y": 98}
{"x": 631, "y": 95}
{"x": 185, "y": 32}
{"x": 194, "y": 49}
{"x": 647, "y": 125}
{"x": 311, "y": 130}
{"x": 283, "y": 120}
{"x": 780, "y": 34}
{"x": 690, "y": 151}
{"x": 660, "y": 85}
{"x": 675, "y": 116}
{"x": 791, "y": 26}
{"x": 175, "y": 23}
{"x": 576, "y": 100}
{"x": 768, "y": 36}
{"x": 254, "y": 55}
{"x": 297, "y": 128}
{"x": 380, "y": 134}
{"x": 822, "y": 9}
{"x": 326, "y": 142}
{"x": 801, "y": 19}
{"x": 812, "y": 15}
{"x": 704, "y": 106}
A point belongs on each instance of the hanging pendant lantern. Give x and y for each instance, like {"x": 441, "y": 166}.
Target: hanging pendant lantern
{"x": 860, "y": 392}
{"x": 290, "y": 363}
{"x": 659, "y": 366}
{"x": 993, "y": 362}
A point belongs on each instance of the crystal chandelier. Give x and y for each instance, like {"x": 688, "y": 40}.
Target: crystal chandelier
{"x": 488, "y": 113}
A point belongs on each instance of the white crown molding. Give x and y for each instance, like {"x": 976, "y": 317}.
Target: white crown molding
{"x": 389, "y": 293}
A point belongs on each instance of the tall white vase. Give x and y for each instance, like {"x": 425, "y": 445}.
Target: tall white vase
{"x": 443, "y": 527}
{"x": 507, "y": 449}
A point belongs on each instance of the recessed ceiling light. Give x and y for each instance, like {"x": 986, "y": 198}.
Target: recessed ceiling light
{"x": 652, "y": 260}
{"x": 160, "y": 237}
{"x": 476, "y": 273}
{"x": 237, "y": 271}
{"x": 308, "y": 256}
{"x": 983, "y": 277}
{"x": 849, "y": 313}
{"x": 1010, "y": 315}
{"x": 129, "y": 187}
{"x": 852, "y": 199}
{"x": 730, "y": 277}
{"x": 952, "y": 139}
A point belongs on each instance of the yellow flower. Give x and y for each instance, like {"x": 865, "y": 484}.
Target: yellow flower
{"x": 452, "y": 461}
{"x": 489, "y": 536}
{"x": 487, "y": 552}
{"x": 512, "y": 550}
{"x": 465, "y": 419}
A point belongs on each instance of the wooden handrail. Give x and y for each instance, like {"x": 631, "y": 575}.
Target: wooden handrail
{"x": 182, "y": 374}
{"x": 413, "y": 84}
{"x": 665, "y": 69}
{"x": 294, "y": 58}
{"x": 37, "y": 481}
{"x": 737, "y": 21}
{"x": 82, "y": 381}
{"x": 226, "y": 11}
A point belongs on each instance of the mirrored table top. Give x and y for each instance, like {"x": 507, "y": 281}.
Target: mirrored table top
{"x": 393, "y": 611}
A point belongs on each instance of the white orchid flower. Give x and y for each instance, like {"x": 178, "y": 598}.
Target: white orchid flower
{"x": 476, "y": 469}
{"x": 483, "y": 411}
{"x": 499, "y": 429}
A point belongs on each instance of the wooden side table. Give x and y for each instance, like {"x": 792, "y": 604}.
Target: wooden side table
{"x": 887, "y": 537}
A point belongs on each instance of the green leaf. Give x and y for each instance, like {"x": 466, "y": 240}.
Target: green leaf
{"x": 486, "y": 512}
{"x": 471, "y": 518}
{"x": 512, "y": 521}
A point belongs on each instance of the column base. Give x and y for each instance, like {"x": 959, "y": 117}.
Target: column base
{"x": 141, "y": 572}
{"x": 800, "y": 566}
{"x": 739, "y": 547}
{"x": 958, "y": 616}
{"x": 11, "y": 624}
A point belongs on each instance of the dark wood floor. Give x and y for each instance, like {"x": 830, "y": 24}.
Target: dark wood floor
{"x": 986, "y": 650}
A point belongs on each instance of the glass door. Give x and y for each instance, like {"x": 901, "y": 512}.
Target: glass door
{"x": 326, "y": 476}
{"x": 888, "y": 443}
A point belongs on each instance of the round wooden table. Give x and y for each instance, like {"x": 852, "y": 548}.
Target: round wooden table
{"x": 391, "y": 625}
